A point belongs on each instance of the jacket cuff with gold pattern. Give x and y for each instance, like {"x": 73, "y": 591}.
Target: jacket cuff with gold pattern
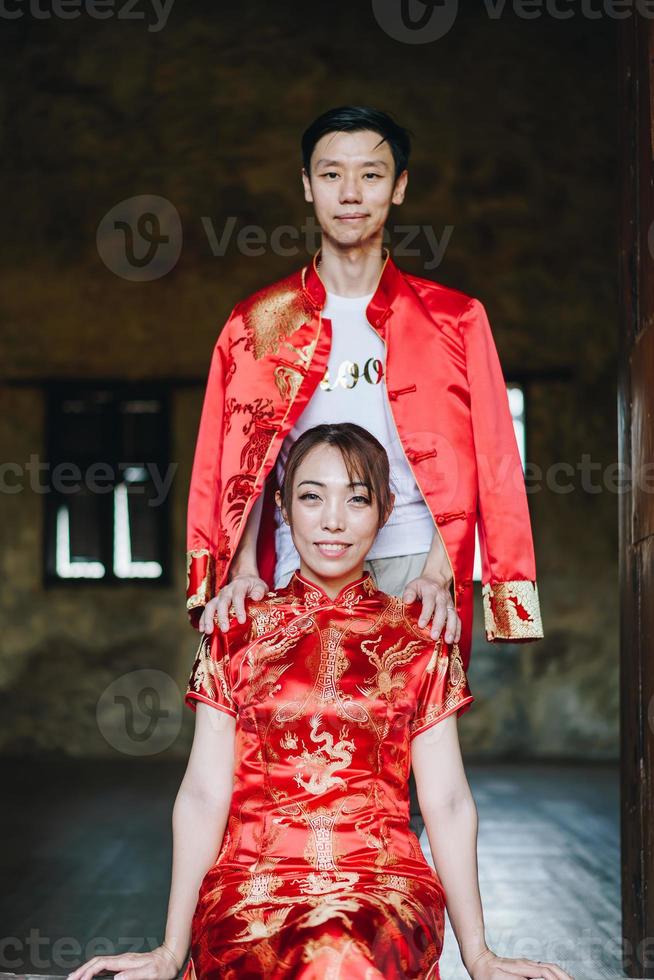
{"x": 200, "y": 577}
{"x": 512, "y": 611}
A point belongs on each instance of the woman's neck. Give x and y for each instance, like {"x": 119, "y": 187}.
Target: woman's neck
{"x": 332, "y": 585}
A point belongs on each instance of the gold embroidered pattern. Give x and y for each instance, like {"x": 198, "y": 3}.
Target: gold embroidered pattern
{"x": 453, "y": 683}
{"x": 207, "y": 673}
{"x": 512, "y": 611}
{"x": 288, "y": 378}
{"x": 383, "y": 683}
{"x": 276, "y": 313}
{"x": 327, "y": 696}
{"x": 205, "y": 589}
{"x": 317, "y": 768}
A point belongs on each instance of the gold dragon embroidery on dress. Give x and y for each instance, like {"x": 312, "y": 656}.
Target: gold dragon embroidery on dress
{"x": 323, "y": 763}
{"x": 208, "y": 674}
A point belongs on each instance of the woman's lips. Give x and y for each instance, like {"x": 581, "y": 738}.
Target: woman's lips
{"x": 331, "y": 550}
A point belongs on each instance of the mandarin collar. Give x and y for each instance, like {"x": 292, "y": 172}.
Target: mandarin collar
{"x": 379, "y": 307}
{"x": 311, "y": 594}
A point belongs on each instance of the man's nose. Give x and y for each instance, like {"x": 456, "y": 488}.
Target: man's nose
{"x": 351, "y": 189}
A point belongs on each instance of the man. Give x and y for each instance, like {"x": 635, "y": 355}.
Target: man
{"x": 350, "y": 336}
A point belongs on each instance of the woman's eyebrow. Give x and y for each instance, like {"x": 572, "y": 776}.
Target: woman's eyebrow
{"x": 317, "y": 483}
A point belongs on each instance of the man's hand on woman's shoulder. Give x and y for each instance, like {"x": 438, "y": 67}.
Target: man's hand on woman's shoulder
{"x": 234, "y": 594}
{"x": 437, "y": 605}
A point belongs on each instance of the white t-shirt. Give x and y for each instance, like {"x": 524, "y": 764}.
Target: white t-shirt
{"x": 353, "y": 389}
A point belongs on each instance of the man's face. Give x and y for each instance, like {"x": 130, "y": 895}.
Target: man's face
{"x": 352, "y": 186}
{"x": 333, "y": 523}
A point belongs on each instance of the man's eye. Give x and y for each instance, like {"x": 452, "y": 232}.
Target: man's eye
{"x": 330, "y": 173}
{"x": 372, "y": 175}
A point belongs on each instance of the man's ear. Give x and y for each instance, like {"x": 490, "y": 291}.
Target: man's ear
{"x": 399, "y": 189}
{"x": 308, "y": 196}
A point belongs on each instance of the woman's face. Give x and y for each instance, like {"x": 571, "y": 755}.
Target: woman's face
{"x": 334, "y": 522}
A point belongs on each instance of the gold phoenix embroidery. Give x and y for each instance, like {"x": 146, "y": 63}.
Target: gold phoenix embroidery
{"x": 383, "y": 683}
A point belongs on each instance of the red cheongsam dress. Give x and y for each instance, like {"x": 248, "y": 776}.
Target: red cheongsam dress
{"x": 319, "y": 874}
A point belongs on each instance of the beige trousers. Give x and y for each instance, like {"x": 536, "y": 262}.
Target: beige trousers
{"x": 392, "y": 575}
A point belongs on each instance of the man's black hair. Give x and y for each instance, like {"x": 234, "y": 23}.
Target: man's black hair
{"x": 354, "y": 118}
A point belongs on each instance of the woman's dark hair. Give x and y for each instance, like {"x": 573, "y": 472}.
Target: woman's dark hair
{"x": 364, "y": 456}
{"x": 354, "y": 118}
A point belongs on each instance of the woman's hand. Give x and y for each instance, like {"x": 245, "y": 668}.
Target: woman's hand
{"x": 158, "y": 964}
{"x": 488, "y": 966}
{"x": 437, "y": 602}
{"x": 234, "y": 593}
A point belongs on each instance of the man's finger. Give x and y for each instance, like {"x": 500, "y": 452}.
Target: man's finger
{"x": 224, "y": 602}
{"x": 452, "y": 619}
{"x": 238, "y": 600}
{"x": 428, "y": 603}
{"x": 441, "y": 613}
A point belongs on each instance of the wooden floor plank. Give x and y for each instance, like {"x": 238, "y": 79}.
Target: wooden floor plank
{"x": 87, "y": 855}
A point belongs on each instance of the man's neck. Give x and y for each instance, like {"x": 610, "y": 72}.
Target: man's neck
{"x": 350, "y": 272}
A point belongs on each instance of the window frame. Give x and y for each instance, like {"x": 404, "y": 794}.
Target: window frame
{"x": 57, "y": 391}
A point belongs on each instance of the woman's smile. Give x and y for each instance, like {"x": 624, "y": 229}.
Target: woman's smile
{"x": 332, "y": 549}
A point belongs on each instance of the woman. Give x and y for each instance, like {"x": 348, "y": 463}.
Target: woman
{"x": 293, "y": 855}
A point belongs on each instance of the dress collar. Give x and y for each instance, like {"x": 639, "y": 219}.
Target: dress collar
{"x": 310, "y": 594}
{"x": 379, "y": 307}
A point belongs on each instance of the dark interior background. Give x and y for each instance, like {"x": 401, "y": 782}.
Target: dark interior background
{"x": 514, "y": 126}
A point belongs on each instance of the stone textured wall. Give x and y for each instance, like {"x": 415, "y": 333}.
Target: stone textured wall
{"x": 515, "y": 149}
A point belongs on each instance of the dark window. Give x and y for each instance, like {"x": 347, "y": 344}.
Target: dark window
{"x": 107, "y": 484}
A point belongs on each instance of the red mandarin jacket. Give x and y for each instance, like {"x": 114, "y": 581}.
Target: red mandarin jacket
{"x": 448, "y": 399}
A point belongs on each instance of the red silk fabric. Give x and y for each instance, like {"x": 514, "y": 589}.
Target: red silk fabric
{"x": 447, "y": 396}
{"x": 319, "y": 874}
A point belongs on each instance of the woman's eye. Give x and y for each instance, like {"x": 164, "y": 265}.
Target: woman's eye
{"x": 361, "y": 499}
{"x": 309, "y": 495}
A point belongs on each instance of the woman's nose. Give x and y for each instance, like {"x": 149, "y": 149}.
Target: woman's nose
{"x": 333, "y": 518}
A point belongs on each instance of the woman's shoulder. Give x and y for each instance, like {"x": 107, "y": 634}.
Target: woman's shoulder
{"x": 405, "y": 615}
{"x": 261, "y": 616}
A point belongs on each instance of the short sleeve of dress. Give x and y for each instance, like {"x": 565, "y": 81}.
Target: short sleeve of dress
{"x": 443, "y": 688}
{"x": 210, "y": 679}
